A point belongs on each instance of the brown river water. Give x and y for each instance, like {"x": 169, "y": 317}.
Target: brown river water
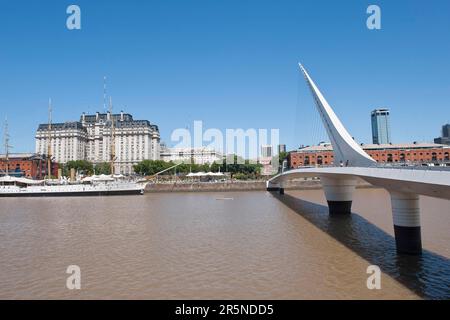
{"x": 230, "y": 245}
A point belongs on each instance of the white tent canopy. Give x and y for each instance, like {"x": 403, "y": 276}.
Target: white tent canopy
{"x": 102, "y": 177}
{"x": 19, "y": 180}
{"x": 204, "y": 174}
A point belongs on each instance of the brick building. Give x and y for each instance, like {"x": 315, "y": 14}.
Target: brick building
{"x": 27, "y": 165}
{"x": 413, "y": 153}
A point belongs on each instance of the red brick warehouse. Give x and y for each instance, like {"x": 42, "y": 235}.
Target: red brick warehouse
{"x": 382, "y": 153}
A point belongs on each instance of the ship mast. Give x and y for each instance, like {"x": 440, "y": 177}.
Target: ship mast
{"x": 49, "y": 146}
{"x": 113, "y": 137}
{"x": 7, "y": 146}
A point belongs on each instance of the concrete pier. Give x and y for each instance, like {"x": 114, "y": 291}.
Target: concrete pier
{"x": 339, "y": 194}
{"x": 406, "y": 217}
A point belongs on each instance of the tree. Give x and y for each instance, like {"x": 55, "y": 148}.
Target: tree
{"x": 81, "y": 166}
{"x": 282, "y": 156}
{"x": 151, "y": 167}
{"x": 102, "y": 168}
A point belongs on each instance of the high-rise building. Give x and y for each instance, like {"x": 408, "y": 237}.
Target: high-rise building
{"x": 266, "y": 159}
{"x": 381, "y": 126}
{"x": 90, "y": 139}
{"x": 67, "y": 141}
{"x": 281, "y": 148}
{"x": 445, "y": 138}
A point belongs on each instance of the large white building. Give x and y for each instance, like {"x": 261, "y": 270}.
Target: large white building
{"x": 67, "y": 141}
{"x": 90, "y": 139}
{"x": 201, "y": 155}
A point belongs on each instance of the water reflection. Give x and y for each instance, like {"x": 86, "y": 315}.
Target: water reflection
{"x": 427, "y": 275}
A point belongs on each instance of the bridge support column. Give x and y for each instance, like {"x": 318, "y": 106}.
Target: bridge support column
{"x": 406, "y": 216}
{"x": 339, "y": 194}
{"x": 274, "y": 187}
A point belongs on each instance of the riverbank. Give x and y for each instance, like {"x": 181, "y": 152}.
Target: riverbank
{"x": 235, "y": 186}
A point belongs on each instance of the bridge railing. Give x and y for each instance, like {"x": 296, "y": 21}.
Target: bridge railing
{"x": 441, "y": 166}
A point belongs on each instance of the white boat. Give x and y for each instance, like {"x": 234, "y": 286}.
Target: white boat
{"x": 97, "y": 185}
{"x": 23, "y": 187}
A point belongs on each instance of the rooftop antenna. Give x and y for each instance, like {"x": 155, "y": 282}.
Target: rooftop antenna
{"x": 113, "y": 138}
{"x": 49, "y": 146}
{"x": 104, "y": 94}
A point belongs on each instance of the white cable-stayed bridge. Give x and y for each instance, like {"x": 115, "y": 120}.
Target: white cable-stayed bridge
{"x": 404, "y": 184}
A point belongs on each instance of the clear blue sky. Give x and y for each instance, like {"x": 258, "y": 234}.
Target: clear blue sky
{"x": 230, "y": 63}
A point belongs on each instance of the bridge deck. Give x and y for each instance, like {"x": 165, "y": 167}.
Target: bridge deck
{"x": 433, "y": 183}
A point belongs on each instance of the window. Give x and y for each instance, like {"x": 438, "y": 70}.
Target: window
{"x": 389, "y": 157}
{"x": 306, "y": 160}
{"x": 319, "y": 160}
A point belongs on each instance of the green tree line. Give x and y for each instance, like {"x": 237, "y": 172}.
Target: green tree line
{"x": 86, "y": 167}
{"x": 245, "y": 170}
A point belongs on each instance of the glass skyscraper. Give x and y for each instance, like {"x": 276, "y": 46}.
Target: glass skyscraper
{"x": 381, "y": 126}
{"x": 445, "y": 138}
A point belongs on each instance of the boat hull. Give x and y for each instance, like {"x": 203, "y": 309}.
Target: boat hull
{"x": 74, "y": 193}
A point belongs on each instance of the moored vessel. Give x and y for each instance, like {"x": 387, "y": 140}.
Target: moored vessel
{"x": 97, "y": 185}
{"x": 23, "y": 187}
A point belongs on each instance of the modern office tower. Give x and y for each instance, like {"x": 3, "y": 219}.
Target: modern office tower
{"x": 445, "y": 138}
{"x": 266, "y": 151}
{"x": 281, "y": 148}
{"x": 381, "y": 126}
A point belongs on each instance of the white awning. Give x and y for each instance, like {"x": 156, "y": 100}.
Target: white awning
{"x": 204, "y": 174}
{"x": 19, "y": 180}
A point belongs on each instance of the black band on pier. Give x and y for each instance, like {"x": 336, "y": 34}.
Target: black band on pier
{"x": 408, "y": 240}
{"x": 340, "y": 207}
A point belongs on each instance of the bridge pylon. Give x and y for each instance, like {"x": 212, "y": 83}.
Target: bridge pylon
{"x": 270, "y": 186}
{"x": 339, "y": 194}
{"x": 406, "y": 216}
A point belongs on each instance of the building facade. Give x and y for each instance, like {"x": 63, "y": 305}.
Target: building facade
{"x": 201, "y": 155}
{"x": 381, "y": 126}
{"x": 413, "y": 153}
{"x": 90, "y": 139}
{"x": 67, "y": 141}
{"x": 445, "y": 137}
{"x": 266, "y": 160}
{"x": 29, "y": 165}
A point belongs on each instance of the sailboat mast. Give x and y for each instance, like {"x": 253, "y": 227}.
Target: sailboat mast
{"x": 113, "y": 137}
{"x": 6, "y": 147}
{"x": 49, "y": 146}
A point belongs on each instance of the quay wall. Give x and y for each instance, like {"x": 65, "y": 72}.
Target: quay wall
{"x": 234, "y": 186}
